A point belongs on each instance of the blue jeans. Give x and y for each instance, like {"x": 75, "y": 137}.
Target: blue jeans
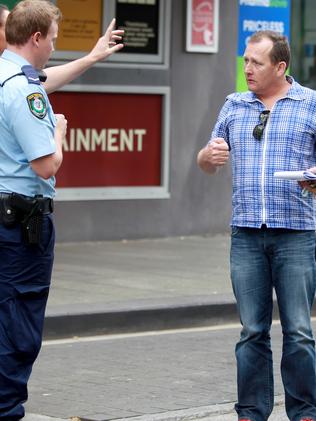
{"x": 263, "y": 259}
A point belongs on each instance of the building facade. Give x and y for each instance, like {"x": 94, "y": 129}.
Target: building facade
{"x": 138, "y": 121}
{"x": 193, "y": 86}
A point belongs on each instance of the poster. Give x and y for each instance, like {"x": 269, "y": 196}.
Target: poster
{"x": 202, "y": 26}
{"x": 256, "y": 15}
{"x": 81, "y": 25}
{"x": 113, "y": 139}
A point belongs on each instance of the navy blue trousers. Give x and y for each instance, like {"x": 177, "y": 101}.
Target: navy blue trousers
{"x": 25, "y": 274}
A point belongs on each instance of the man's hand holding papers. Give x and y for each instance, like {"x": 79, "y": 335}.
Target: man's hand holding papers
{"x": 306, "y": 179}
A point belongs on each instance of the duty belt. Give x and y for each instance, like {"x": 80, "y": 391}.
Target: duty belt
{"x": 44, "y": 205}
{"x": 27, "y": 212}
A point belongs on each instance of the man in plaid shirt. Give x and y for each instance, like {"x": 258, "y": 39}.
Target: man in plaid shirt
{"x": 272, "y": 127}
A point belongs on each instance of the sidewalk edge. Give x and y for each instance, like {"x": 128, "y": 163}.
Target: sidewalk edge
{"x": 138, "y": 320}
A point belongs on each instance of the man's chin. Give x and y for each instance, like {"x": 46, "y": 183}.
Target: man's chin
{"x": 251, "y": 86}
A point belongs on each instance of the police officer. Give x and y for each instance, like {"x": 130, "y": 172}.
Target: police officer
{"x": 30, "y": 155}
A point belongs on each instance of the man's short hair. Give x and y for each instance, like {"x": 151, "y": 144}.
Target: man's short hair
{"x": 281, "y": 48}
{"x": 29, "y": 17}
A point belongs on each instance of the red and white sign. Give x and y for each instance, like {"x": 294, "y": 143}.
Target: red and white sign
{"x": 113, "y": 139}
{"x": 202, "y": 25}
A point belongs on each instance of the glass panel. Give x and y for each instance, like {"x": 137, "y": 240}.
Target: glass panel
{"x": 140, "y": 20}
{"x": 146, "y": 23}
{"x": 303, "y": 42}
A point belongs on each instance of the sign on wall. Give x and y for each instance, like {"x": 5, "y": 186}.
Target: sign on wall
{"x": 140, "y": 21}
{"x": 115, "y": 143}
{"x": 202, "y": 26}
{"x": 81, "y": 25}
{"x": 146, "y": 24}
{"x": 257, "y": 15}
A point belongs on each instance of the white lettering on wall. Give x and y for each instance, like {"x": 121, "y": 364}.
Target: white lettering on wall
{"x": 110, "y": 140}
{"x": 265, "y": 3}
{"x": 98, "y": 139}
{"x": 263, "y": 25}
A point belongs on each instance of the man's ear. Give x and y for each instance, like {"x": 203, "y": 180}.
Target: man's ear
{"x": 282, "y": 67}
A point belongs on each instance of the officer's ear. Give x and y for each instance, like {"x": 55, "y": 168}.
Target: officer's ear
{"x": 36, "y": 38}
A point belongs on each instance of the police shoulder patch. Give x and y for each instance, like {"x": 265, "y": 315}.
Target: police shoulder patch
{"x": 37, "y": 105}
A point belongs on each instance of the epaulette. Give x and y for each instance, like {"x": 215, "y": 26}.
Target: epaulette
{"x": 31, "y": 74}
{"x": 34, "y": 76}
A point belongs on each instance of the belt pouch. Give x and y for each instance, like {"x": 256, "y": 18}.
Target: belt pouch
{"x": 8, "y": 215}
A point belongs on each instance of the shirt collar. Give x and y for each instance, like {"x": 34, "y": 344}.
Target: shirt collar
{"x": 25, "y": 66}
{"x": 14, "y": 58}
{"x": 295, "y": 92}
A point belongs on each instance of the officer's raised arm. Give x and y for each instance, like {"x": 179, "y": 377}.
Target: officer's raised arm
{"x": 108, "y": 44}
{"x": 58, "y": 76}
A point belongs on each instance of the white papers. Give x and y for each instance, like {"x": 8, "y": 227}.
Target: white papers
{"x": 295, "y": 175}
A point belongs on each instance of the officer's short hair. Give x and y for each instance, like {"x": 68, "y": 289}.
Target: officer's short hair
{"x": 28, "y": 17}
{"x": 281, "y": 48}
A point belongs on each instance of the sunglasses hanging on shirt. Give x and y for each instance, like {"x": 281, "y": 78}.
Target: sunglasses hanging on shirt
{"x": 259, "y": 128}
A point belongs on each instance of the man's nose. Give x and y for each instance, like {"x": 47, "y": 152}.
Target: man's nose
{"x": 247, "y": 67}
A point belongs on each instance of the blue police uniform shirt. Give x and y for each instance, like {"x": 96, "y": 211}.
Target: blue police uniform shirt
{"x": 27, "y": 125}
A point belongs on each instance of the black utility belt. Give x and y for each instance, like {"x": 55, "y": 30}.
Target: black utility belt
{"x": 28, "y": 211}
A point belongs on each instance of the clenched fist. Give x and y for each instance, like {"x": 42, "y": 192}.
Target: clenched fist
{"x": 214, "y": 155}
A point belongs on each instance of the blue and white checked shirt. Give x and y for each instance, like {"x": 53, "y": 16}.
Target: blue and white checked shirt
{"x": 288, "y": 143}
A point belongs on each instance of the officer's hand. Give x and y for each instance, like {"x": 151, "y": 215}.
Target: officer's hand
{"x": 217, "y": 152}
{"x": 107, "y": 44}
{"x": 61, "y": 125}
{"x": 309, "y": 185}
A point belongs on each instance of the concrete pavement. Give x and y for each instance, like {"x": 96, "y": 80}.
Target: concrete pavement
{"x": 212, "y": 413}
{"x": 117, "y": 288}
{"x": 188, "y": 374}
{"x": 124, "y": 286}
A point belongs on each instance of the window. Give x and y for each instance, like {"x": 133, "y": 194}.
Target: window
{"x": 303, "y": 42}
{"x": 146, "y": 24}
